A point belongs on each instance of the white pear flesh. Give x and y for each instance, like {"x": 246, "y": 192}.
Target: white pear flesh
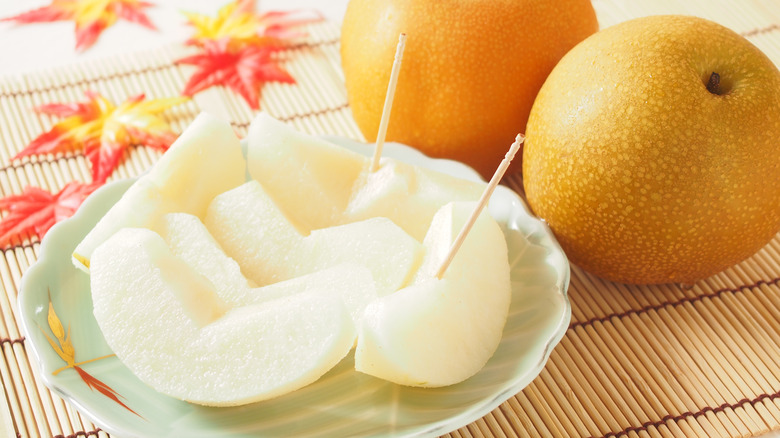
{"x": 408, "y": 195}
{"x": 255, "y": 232}
{"x": 309, "y": 178}
{"x": 141, "y": 205}
{"x": 438, "y": 332}
{"x": 350, "y": 282}
{"x": 177, "y": 336}
{"x": 189, "y": 239}
{"x": 205, "y": 160}
{"x": 269, "y": 248}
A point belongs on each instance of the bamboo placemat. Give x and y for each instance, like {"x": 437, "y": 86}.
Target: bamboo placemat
{"x": 637, "y": 361}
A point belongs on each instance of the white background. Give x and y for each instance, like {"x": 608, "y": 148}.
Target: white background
{"x": 36, "y": 46}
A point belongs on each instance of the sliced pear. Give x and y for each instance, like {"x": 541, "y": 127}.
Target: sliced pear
{"x": 189, "y": 239}
{"x": 385, "y": 249}
{"x": 439, "y": 332}
{"x": 309, "y": 178}
{"x": 408, "y": 195}
{"x": 205, "y": 160}
{"x": 141, "y": 205}
{"x": 167, "y": 325}
{"x": 253, "y": 231}
{"x": 351, "y": 282}
{"x": 269, "y": 248}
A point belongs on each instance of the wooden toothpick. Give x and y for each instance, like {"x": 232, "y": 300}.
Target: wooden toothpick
{"x": 481, "y": 204}
{"x": 380, "y": 136}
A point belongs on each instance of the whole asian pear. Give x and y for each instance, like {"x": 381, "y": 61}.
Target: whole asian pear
{"x": 470, "y": 70}
{"x": 652, "y": 151}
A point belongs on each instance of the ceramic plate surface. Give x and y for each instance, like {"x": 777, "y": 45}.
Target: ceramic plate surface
{"x": 343, "y": 402}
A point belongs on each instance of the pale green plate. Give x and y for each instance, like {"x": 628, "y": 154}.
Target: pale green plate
{"x": 344, "y": 402}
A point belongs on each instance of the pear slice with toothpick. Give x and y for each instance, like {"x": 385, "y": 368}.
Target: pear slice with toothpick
{"x": 408, "y": 195}
{"x": 438, "y": 332}
{"x": 446, "y": 325}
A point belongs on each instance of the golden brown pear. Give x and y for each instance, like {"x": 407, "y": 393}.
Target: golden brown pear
{"x": 470, "y": 72}
{"x": 653, "y": 151}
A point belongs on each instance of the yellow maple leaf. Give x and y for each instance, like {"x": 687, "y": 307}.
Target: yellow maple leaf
{"x": 233, "y": 21}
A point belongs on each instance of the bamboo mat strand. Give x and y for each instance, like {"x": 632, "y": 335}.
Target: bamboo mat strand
{"x": 637, "y": 361}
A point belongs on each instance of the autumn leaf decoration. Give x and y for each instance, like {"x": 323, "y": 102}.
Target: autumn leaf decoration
{"x": 100, "y": 130}
{"x": 103, "y": 131}
{"x": 91, "y": 17}
{"x": 243, "y": 70}
{"x": 238, "y": 49}
{"x": 36, "y": 210}
{"x": 63, "y": 346}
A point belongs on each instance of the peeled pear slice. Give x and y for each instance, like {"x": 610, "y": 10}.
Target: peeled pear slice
{"x": 204, "y": 161}
{"x": 253, "y": 230}
{"x": 438, "y": 332}
{"x": 189, "y": 239}
{"x": 350, "y": 282}
{"x": 140, "y": 206}
{"x": 309, "y": 178}
{"x": 408, "y": 195}
{"x": 167, "y": 325}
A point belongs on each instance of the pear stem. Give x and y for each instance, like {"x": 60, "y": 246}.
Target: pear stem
{"x": 483, "y": 200}
{"x": 380, "y": 137}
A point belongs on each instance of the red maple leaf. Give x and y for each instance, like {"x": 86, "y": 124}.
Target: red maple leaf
{"x": 243, "y": 69}
{"x": 36, "y": 210}
{"x": 91, "y": 17}
{"x": 104, "y": 130}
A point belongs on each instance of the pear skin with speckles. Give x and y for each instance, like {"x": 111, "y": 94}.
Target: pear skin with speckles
{"x": 470, "y": 71}
{"x": 653, "y": 151}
